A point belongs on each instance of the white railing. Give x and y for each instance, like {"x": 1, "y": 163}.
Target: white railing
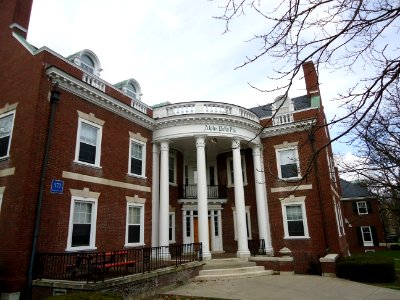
{"x": 139, "y": 106}
{"x": 203, "y": 108}
{"x": 94, "y": 82}
{"x": 283, "y": 119}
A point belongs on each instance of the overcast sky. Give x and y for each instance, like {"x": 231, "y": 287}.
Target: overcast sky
{"x": 175, "y": 49}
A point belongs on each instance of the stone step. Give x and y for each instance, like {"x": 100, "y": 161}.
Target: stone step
{"x": 227, "y": 263}
{"x": 232, "y": 273}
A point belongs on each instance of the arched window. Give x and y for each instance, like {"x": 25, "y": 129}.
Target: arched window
{"x": 87, "y": 63}
{"x": 131, "y": 90}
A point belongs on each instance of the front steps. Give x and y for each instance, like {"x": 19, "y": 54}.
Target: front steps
{"x": 230, "y": 268}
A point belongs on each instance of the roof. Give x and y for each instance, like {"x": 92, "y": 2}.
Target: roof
{"x": 353, "y": 189}
{"x": 299, "y": 103}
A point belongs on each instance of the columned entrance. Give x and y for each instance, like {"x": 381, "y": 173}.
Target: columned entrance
{"x": 191, "y": 222}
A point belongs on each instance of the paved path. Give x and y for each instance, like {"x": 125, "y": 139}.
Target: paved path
{"x": 283, "y": 287}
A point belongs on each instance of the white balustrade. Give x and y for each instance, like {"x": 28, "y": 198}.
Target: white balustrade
{"x": 94, "y": 82}
{"x": 283, "y": 119}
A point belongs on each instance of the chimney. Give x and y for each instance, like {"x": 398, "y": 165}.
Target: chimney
{"x": 311, "y": 78}
{"x": 15, "y": 14}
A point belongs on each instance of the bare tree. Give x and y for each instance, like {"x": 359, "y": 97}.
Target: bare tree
{"x": 378, "y": 145}
{"x": 353, "y": 35}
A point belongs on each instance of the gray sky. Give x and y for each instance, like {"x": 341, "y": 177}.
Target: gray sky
{"x": 175, "y": 49}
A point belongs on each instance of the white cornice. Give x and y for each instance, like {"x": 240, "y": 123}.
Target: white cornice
{"x": 201, "y": 118}
{"x": 287, "y": 128}
{"x": 95, "y": 96}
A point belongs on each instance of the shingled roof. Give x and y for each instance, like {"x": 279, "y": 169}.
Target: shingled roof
{"x": 353, "y": 190}
{"x": 299, "y": 103}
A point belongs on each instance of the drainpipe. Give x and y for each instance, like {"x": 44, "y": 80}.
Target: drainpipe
{"x": 54, "y": 98}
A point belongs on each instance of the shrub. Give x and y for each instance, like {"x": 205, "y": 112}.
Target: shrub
{"x": 367, "y": 269}
{"x": 395, "y": 247}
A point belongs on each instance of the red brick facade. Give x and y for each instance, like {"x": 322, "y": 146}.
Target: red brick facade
{"x": 26, "y": 85}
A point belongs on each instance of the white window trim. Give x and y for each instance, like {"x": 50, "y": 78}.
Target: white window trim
{"x": 367, "y": 243}
{"x": 98, "y": 145}
{"x": 339, "y": 218}
{"x": 143, "y": 144}
{"x": 292, "y": 201}
{"x": 248, "y": 223}
{"x": 278, "y": 162}
{"x": 359, "y": 206}
{"x": 92, "y": 243}
{"x": 229, "y": 171}
{"x": 173, "y": 155}
{"x": 13, "y": 112}
{"x": 173, "y": 240}
{"x": 141, "y": 242}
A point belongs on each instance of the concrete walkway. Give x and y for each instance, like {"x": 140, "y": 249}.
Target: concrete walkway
{"x": 286, "y": 287}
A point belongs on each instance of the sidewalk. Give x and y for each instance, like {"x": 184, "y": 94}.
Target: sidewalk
{"x": 283, "y": 287}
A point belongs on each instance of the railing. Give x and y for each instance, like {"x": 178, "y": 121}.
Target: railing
{"x": 98, "y": 266}
{"x": 203, "y": 108}
{"x": 213, "y": 191}
{"x": 283, "y": 119}
{"x": 93, "y": 81}
{"x": 257, "y": 247}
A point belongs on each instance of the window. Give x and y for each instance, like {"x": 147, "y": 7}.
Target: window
{"x": 294, "y": 220}
{"x": 88, "y": 143}
{"x": 87, "y": 63}
{"x": 137, "y": 161}
{"x": 6, "y": 128}
{"x": 135, "y": 225}
{"x": 172, "y": 168}
{"x": 362, "y": 208}
{"x": 131, "y": 90}
{"x": 231, "y": 177}
{"x": 171, "y": 232}
{"x": 248, "y": 223}
{"x": 367, "y": 236}
{"x": 82, "y": 227}
{"x": 288, "y": 163}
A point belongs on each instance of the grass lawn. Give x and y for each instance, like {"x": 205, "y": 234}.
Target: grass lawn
{"x": 395, "y": 254}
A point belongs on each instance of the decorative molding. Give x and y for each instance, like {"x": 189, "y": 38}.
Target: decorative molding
{"x": 285, "y": 145}
{"x": 8, "y": 107}
{"x": 292, "y": 199}
{"x": 135, "y": 199}
{"x": 7, "y": 172}
{"x": 292, "y": 188}
{"x": 109, "y": 182}
{"x": 335, "y": 192}
{"x": 287, "y": 128}
{"x": 137, "y": 136}
{"x": 90, "y": 117}
{"x": 95, "y": 96}
{"x": 85, "y": 193}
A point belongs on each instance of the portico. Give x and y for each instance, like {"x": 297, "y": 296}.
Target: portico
{"x": 197, "y": 146}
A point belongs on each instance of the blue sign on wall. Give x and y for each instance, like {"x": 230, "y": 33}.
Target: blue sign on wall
{"x": 57, "y": 186}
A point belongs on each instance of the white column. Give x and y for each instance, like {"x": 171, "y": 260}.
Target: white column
{"x": 243, "y": 248}
{"x": 155, "y": 196}
{"x": 268, "y": 241}
{"x": 202, "y": 197}
{"x": 261, "y": 200}
{"x": 164, "y": 197}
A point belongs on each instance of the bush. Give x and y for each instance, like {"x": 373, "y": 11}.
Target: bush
{"x": 395, "y": 247}
{"x": 367, "y": 269}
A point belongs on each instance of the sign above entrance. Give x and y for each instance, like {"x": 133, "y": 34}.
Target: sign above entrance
{"x": 219, "y": 128}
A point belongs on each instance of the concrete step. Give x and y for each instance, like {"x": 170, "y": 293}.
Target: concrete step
{"x": 227, "y": 263}
{"x": 232, "y": 273}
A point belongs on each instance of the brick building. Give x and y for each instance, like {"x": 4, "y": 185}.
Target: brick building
{"x": 363, "y": 224}
{"x": 134, "y": 175}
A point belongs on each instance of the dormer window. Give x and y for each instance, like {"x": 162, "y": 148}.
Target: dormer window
{"x": 282, "y": 108}
{"x": 131, "y": 91}
{"x": 87, "y": 63}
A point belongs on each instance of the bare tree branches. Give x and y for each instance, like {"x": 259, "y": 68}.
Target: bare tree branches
{"x": 355, "y": 36}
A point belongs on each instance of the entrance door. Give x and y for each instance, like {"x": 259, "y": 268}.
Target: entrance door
{"x": 196, "y": 230}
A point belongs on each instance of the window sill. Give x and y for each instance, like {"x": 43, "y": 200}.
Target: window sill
{"x": 87, "y": 165}
{"x": 297, "y": 238}
{"x": 77, "y": 249}
{"x": 172, "y": 242}
{"x": 233, "y": 185}
{"x": 4, "y": 158}
{"x": 134, "y": 245}
{"x": 291, "y": 179}
{"x": 173, "y": 184}
{"x": 136, "y": 176}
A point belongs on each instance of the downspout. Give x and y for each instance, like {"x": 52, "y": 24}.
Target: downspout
{"x": 311, "y": 138}
{"x": 54, "y": 98}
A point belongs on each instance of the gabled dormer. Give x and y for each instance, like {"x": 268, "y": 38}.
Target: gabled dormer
{"x": 131, "y": 88}
{"x": 282, "y": 110}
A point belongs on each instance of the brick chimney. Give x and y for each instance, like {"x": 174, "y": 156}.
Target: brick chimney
{"x": 311, "y": 78}
{"x": 15, "y": 14}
